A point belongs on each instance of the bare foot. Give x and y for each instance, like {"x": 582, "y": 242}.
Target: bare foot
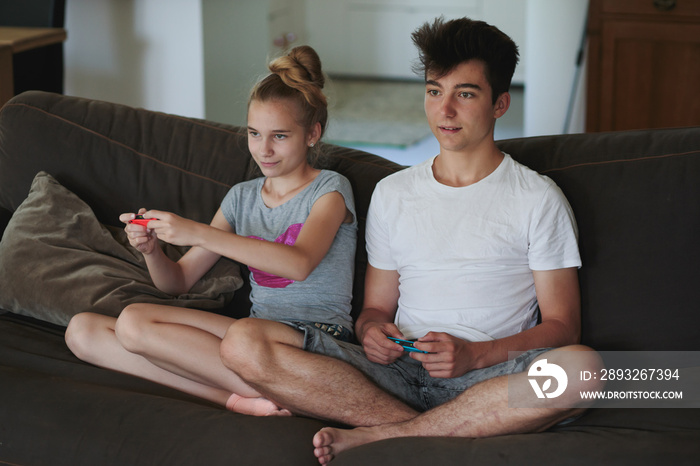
{"x": 255, "y": 406}
{"x": 329, "y": 442}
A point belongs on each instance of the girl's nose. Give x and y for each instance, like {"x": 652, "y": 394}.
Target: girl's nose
{"x": 266, "y": 147}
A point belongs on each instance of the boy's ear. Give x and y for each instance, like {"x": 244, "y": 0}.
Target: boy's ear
{"x": 502, "y": 104}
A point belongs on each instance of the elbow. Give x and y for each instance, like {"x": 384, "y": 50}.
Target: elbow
{"x": 303, "y": 270}
{"x": 300, "y": 275}
{"x": 563, "y": 333}
{"x": 173, "y": 289}
{"x": 574, "y": 335}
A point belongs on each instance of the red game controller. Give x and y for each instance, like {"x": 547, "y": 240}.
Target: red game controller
{"x": 140, "y": 220}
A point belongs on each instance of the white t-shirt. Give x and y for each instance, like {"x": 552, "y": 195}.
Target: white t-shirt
{"x": 465, "y": 255}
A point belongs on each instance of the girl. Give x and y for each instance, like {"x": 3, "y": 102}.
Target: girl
{"x": 295, "y": 228}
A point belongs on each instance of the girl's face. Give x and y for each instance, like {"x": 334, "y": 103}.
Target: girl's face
{"x": 275, "y": 139}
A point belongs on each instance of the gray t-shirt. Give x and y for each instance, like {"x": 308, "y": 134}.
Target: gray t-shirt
{"x": 326, "y": 294}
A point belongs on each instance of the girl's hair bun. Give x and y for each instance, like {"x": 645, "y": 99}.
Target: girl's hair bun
{"x": 297, "y": 75}
{"x": 300, "y": 69}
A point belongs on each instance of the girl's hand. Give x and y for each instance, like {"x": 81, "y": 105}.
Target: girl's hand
{"x": 377, "y": 346}
{"x": 140, "y": 237}
{"x": 173, "y": 229}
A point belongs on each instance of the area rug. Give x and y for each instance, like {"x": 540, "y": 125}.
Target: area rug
{"x": 376, "y": 112}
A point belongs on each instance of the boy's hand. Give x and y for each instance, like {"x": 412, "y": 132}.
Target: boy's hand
{"x": 448, "y": 356}
{"x": 377, "y": 346}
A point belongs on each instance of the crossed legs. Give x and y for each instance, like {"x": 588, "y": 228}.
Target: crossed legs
{"x": 172, "y": 346}
{"x": 269, "y": 357}
{"x": 323, "y": 387}
{"x": 487, "y": 409}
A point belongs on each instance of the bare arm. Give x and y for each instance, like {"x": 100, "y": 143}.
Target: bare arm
{"x": 169, "y": 276}
{"x": 376, "y": 321}
{"x": 295, "y": 262}
{"x": 558, "y": 296}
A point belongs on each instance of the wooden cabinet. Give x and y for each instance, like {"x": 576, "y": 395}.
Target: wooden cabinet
{"x": 643, "y": 64}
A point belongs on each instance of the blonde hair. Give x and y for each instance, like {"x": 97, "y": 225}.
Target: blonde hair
{"x": 297, "y": 76}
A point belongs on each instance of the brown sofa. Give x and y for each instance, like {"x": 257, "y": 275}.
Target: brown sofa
{"x": 636, "y": 196}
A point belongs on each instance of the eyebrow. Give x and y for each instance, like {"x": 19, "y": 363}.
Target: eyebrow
{"x": 431, "y": 82}
{"x": 250, "y": 128}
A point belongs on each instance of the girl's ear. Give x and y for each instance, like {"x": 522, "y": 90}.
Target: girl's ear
{"x": 502, "y": 105}
{"x": 314, "y": 134}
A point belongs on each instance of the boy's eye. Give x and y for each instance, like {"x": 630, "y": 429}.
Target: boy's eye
{"x": 433, "y": 92}
{"x": 466, "y": 95}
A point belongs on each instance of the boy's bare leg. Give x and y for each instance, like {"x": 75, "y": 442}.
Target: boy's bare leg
{"x": 481, "y": 411}
{"x": 303, "y": 382}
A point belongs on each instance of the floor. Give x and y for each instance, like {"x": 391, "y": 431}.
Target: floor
{"x": 507, "y": 127}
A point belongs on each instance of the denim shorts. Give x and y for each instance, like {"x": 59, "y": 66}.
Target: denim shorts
{"x": 334, "y": 330}
{"x": 405, "y": 378}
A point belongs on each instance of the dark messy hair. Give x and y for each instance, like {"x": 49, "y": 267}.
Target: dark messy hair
{"x": 443, "y": 45}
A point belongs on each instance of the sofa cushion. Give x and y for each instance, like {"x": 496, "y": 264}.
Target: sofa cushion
{"x": 57, "y": 259}
{"x": 118, "y": 158}
{"x": 635, "y": 198}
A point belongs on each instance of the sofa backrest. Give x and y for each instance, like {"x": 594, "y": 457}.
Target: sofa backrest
{"x": 119, "y": 159}
{"x": 636, "y": 197}
{"x": 635, "y": 194}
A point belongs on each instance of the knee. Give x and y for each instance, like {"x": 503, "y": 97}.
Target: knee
{"x": 131, "y": 326}
{"x": 80, "y": 332}
{"x": 246, "y": 350}
{"x": 577, "y": 360}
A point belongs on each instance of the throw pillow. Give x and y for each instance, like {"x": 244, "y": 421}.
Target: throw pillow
{"x": 57, "y": 260}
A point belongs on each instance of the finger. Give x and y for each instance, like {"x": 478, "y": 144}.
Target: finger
{"x": 134, "y": 229}
{"x": 384, "y": 348}
{"x": 434, "y": 336}
{"x": 432, "y": 347}
{"x": 124, "y": 218}
{"x": 392, "y": 330}
{"x": 159, "y": 214}
{"x": 381, "y": 358}
{"x": 142, "y": 239}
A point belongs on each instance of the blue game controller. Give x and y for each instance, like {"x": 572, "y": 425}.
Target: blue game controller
{"x": 407, "y": 345}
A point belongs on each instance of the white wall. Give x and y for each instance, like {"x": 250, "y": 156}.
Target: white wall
{"x": 553, "y": 38}
{"x": 199, "y": 57}
{"x": 235, "y": 55}
{"x": 143, "y": 53}
{"x": 373, "y": 38}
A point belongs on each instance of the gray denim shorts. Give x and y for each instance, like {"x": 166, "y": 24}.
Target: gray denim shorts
{"x": 406, "y": 378}
{"x": 335, "y": 330}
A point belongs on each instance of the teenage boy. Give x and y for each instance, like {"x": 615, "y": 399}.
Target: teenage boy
{"x": 466, "y": 251}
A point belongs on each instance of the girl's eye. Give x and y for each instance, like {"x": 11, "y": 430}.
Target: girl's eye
{"x": 253, "y": 134}
{"x": 280, "y": 136}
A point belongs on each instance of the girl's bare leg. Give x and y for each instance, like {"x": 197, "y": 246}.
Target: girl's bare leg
{"x": 176, "y": 347}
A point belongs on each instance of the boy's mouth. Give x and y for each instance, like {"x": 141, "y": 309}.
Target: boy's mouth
{"x": 449, "y": 129}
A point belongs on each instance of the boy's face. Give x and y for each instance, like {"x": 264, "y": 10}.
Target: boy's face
{"x": 459, "y": 107}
